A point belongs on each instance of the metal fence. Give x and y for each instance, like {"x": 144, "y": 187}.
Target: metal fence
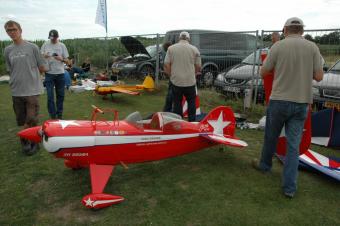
{"x": 121, "y": 57}
{"x": 327, "y": 92}
{"x": 230, "y": 60}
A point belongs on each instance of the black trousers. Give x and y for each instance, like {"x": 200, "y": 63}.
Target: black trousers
{"x": 190, "y": 94}
{"x": 168, "y": 107}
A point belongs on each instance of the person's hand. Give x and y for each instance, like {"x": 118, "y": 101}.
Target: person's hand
{"x": 60, "y": 58}
{"x": 45, "y": 55}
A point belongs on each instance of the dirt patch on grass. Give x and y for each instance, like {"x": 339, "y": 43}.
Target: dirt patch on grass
{"x": 70, "y": 213}
{"x": 183, "y": 185}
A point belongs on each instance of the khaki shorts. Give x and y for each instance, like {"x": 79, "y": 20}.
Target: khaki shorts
{"x": 26, "y": 110}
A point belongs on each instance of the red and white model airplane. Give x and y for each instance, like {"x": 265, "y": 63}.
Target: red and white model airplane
{"x": 101, "y": 145}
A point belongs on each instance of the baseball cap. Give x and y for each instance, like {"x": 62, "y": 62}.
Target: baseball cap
{"x": 294, "y": 21}
{"x": 53, "y": 34}
{"x": 184, "y": 34}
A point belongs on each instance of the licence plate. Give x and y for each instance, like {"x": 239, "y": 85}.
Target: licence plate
{"x": 232, "y": 89}
{"x": 332, "y": 105}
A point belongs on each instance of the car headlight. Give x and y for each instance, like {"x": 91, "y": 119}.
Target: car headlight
{"x": 259, "y": 82}
{"x": 220, "y": 77}
{"x": 130, "y": 66}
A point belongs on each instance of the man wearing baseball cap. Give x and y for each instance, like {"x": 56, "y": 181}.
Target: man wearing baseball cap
{"x": 182, "y": 63}
{"x": 56, "y": 55}
{"x": 296, "y": 62}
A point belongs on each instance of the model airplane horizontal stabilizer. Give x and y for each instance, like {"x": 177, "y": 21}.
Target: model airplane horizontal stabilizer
{"x": 226, "y": 140}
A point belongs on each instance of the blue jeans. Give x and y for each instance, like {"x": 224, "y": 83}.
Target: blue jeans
{"x": 290, "y": 116}
{"x": 76, "y": 70}
{"x": 57, "y": 81}
{"x": 67, "y": 79}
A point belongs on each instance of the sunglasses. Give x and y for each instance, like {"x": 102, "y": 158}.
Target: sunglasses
{"x": 12, "y": 30}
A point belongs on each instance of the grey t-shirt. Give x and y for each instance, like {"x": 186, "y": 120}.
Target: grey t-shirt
{"x": 183, "y": 57}
{"x": 54, "y": 66}
{"x": 23, "y": 62}
{"x": 294, "y": 60}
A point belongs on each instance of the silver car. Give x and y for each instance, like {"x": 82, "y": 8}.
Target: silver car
{"x": 327, "y": 92}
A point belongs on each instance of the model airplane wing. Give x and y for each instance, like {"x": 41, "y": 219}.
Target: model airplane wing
{"x": 100, "y": 174}
{"x": 122, "y": 90}
{"x": 321, "y": 163}
{"x": 313, "y": 160}
{"x": 231, "y": 141}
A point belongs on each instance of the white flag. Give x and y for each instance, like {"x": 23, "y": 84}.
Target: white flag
{"x": 101, "y": 16}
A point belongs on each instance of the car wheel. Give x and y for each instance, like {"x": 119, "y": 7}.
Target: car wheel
{"x": 208, "y": 76}
{"x": 146, "y": 70}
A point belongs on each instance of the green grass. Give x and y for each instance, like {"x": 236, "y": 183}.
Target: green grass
{"x": 216, "y": 186}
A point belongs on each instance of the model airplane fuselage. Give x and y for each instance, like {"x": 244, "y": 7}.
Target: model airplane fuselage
{"x": 101, "y": 145}
{"x": 109, "y": 87}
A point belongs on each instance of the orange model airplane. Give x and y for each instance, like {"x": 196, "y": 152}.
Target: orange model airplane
{"x": 105, "y": 87}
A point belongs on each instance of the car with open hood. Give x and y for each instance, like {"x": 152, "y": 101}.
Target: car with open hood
{"x": 327, "y": 92}
{"x": 141, "y": 62}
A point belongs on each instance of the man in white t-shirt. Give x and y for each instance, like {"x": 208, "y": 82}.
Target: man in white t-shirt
{"x": 56, "y": 55}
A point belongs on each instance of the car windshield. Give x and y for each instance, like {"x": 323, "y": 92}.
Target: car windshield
{"x": 336, "y": 67}
{"x": 250, "y": 59}
{"x": 152, "y": 50}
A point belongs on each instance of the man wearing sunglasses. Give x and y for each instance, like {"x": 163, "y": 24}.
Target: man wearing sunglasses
{"x": 24, "y": 64}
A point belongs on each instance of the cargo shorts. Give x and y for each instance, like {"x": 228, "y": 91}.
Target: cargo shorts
{"x": 26, "y": 109}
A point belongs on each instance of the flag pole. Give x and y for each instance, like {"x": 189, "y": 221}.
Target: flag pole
{"x": 107, "y": 42}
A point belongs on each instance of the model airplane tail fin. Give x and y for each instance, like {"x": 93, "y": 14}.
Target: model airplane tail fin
{"x": 32, "y": 134}
{"x": 219, "y": 126}
{"x": 220, "y": 121}
{"x": 148, "y": 83}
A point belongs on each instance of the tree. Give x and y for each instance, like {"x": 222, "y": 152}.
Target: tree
{"x": 309, "y": 37}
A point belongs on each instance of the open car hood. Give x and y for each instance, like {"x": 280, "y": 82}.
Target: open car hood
{"x": 133, "y": 46}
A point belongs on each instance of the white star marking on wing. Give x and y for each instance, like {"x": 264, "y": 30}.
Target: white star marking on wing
{"x": 219, "y": 124}
{"x": 89, "y": 202}
{"x": 65, "y": 123}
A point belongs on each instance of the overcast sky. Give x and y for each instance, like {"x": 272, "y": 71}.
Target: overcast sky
{"x": 75, "y": 18}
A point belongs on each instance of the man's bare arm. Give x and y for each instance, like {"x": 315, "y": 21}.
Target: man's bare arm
{"x": 264, "y": 72}
{"x": 318, "y": 75}
{"x": 167, "y": 69}
{"x": 197, "y": 68}
{"x": 42, "y": 69}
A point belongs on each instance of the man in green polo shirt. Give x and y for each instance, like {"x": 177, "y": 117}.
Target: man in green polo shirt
{"x": 296, "y": 62}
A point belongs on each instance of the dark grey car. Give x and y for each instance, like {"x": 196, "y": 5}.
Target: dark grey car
{"x": 240, "y": 77}
{"x": 141, "y": 62}
{"x": 219, "y": 50}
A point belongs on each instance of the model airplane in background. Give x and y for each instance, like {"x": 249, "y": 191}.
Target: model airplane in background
{"x": 110, "y": 87}
{"x": 101, "y": 145}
